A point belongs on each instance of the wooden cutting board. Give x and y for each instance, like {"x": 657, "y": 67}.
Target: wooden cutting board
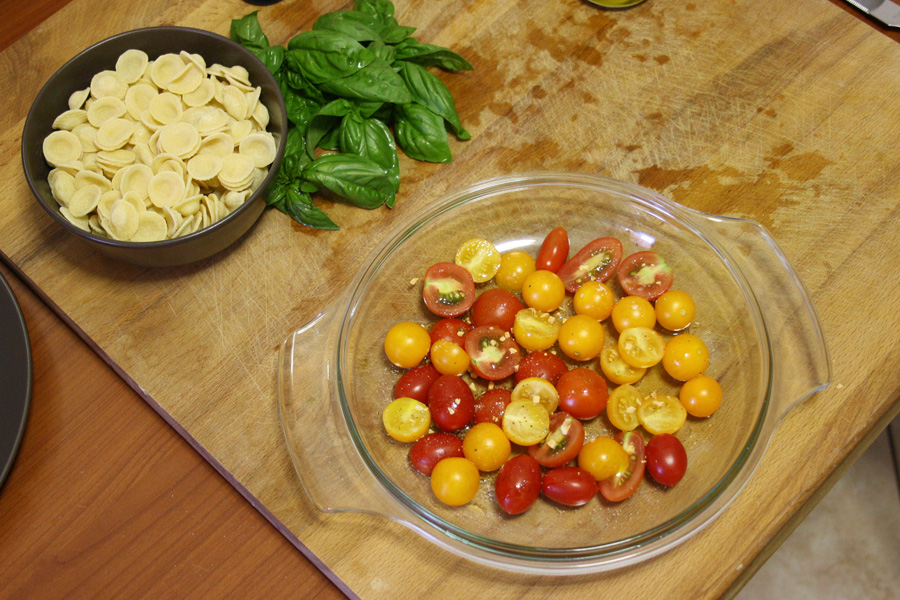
{"x": 782, "y": 112}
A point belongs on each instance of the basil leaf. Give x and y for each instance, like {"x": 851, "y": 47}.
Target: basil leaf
{"x": 382, "y": 51}
{"x": 421, "y": 133}
{"x": 429, "y": 55}
{"x": 356, "y": 178}
{"x": 379, "y": 8}
{"x": 272, "y": 57}
{"x": 376, "y": 81}
{"x": 247, "y": 32}
{"x": 325, "y": 55}
{"x": 326, "y": 119}
{"x": 299, "y": 206}
{"x": 372, "y": 139}
{"x": 430, "y": 92}
{"x": 362, "y": 27}
{"x": 300, "y": 110}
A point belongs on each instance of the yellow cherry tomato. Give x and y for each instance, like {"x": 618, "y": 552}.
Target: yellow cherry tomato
{"x": 480, "y": 258}
{"x": 641, "y": 347}
{"x": 406, "y": 419}
{"x": 633, "y": 311}
{"x": 603, "y": 457}
{"x": 543, "y": 290}
{"x": 526, "y": 422}
{"x": 487, "y": 446}
{"x": 661, "y": 414}
{"x": 406, "y": 344}
{"x": 675, "y": 310}
{"x": 622, "y": 407}
{"x": 535, "y": 330}
{"x": 455, "y": 480}
{"x": 581, "y": 337}
{"x": 616, "y": 369}
{"x": 701, "y": 396}
{"x": 537, "y": 390}
{"x": 515, "y": 266}
{"x": 449, "y": 358}
{"x": 594, "y": 299}
{"x": 685, "y": 357}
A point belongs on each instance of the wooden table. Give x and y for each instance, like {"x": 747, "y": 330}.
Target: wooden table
{"x": 107, "y": 500}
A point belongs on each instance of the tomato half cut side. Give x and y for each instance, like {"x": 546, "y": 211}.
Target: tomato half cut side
{"x": 645, "y": 274}
{"x": 493, "y": 353}
{"x": 449, "y": 289}
{"x": 597, "y": 261}
{"x": 563, "y": 443}
{"x": 623, "y": 484}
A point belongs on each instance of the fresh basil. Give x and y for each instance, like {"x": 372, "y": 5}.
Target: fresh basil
{"x": 356, "y": 87}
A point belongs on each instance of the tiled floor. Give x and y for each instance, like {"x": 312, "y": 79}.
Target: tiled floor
{"x": 848, "y": 547}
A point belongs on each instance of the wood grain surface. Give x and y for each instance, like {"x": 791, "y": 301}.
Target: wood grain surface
{"x": 757, "y": 109}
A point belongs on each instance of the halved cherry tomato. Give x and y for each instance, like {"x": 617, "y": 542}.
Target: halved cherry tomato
{"x": 416, "y": 382}
{"x": 541, "y": 364}
{"x": 450, "y": 329}
{"x": 451, "y": 402}
{"x": 570, "y": 486}
{"x": 491, "y": 405}
{"x": 641, "y": 347}
{"x": 406, "y": 419}
{"x": 518, "y": 484}
{"x": 433, "y": 447}
{"x": 624, "y": 483}
{"x": 554, "y": 250}
{"x": 616, "y": 369}
{"x": 582, "y": 393}
{"x": 449, "y": 289}
{"x": 526, "y": 423}
{"x": 535, "y": 330}
{"x": 496, "y": 307}
{"x": 562, "y": 444}
{"x": 537, "y": 390}
{"x": 661, "y": 413}
{"x": 493, "y": 353}
{"x": 480, "y": 258}
{"x": 666, "y": 459}
{"x": 597, "y": 261}
{"x": 622, "y": 407}
{"x": 645, "y": 274}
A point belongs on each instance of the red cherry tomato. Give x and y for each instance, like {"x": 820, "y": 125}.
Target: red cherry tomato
{"x": 451, "y": 403}
{"x": 582, "y": 393}
{"x": 431, "y": 448}
{"x": 496, "y": 307}
{"x": 541, "y": 364}
{"x": 622, "y": 485}
{"x": 416, "y": 382}
{"x": 450, "y": 329}
{"x": 666, "y": 459}
{"x": 597, "y": 261}
{"x": 493, "y": 352}
{"x": 645, "y": 274}
{"x": 518, "y": 484}
{"x": 554, "y": 251}
{"x": 562, "y": 444}
{"x": 570, "y": 486}
{"x": 489, "y": 408}
{"x": 449, "y": 289}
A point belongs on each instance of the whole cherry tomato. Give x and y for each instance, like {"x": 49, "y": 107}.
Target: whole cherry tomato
{"x": 451, "y": 402}
{"x": 582, "y": 393}
{"x": 554, "y": 251}
{"x": 570, "y": 486}
{"x": 541, "y": 364}
{"x": 518, "y": 484}
{"x": 496, "y": 307}
{"x": 431, "y": 448}
{"x": 666, "y": 459}
{"x": 416, "y": 382}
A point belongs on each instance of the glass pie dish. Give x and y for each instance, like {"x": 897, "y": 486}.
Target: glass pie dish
{"x": 754, "y": 314}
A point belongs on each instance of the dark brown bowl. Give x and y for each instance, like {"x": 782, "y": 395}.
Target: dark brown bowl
{"x": 155, "y": 41}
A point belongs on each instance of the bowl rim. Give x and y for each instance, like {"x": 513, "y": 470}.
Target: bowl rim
{"x": 619, "y": 552}
{"x": 33, "y": 118}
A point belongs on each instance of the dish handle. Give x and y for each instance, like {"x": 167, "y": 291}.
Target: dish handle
{"x": 330, "y": 468}
{"x": 801, "y": 365}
